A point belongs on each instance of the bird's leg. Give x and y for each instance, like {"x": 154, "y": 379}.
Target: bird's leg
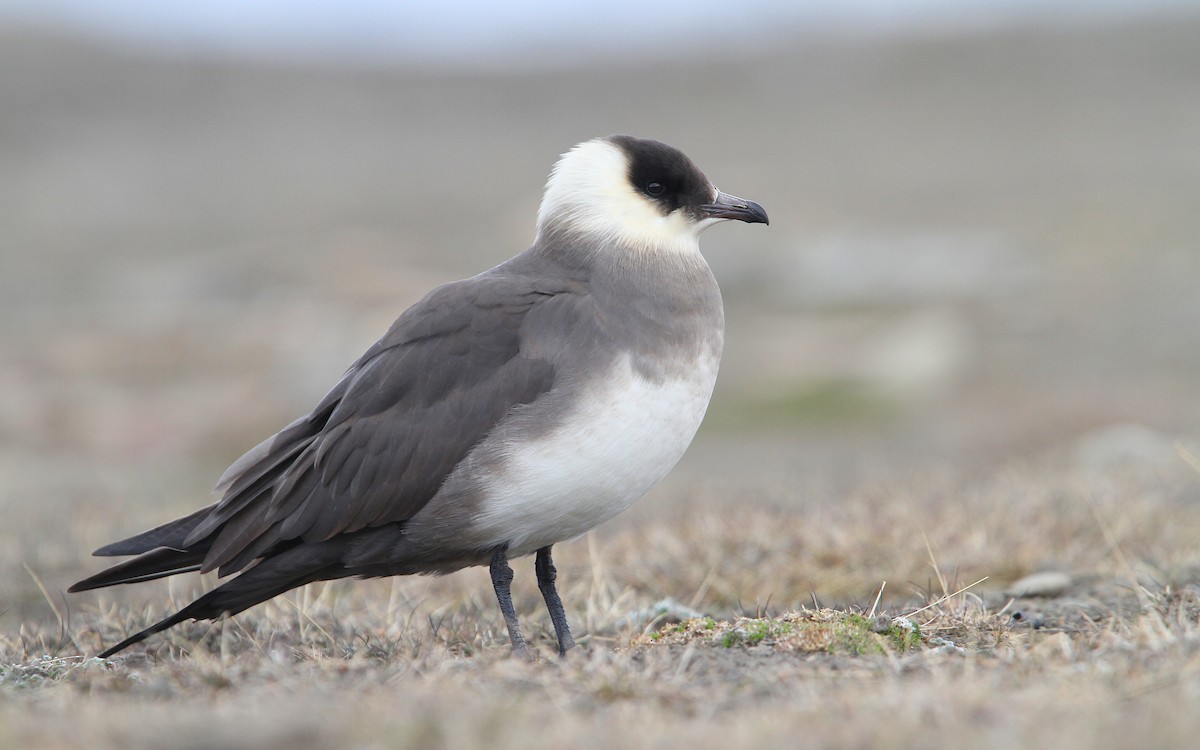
{"x": 545, "y": 577}
{"x": 502, "y": 576}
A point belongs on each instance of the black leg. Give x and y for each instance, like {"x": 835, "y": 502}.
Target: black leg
{"x": 502, "y": 576}
{"x": 545, "y": 576}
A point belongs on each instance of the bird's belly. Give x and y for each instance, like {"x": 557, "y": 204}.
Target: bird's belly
{"x": 616, "y": 443}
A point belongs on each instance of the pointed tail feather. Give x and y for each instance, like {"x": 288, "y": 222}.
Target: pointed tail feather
{"x": 270, "y": 578}
{"x": 170, "y": 534}
{"x": 157, "y": 627}
{"x": 157, "y": 563}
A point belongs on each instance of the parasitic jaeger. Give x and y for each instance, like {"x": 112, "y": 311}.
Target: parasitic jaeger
{"x": 498, "y": 416}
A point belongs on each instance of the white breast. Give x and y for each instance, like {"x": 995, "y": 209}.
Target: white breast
{"x": 625, "y": 434}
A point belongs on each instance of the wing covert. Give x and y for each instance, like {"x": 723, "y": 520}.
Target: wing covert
{"x": 385, "y": 438}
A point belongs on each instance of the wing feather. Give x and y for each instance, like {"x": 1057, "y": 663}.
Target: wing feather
{"x": 394, "y": 428}
{"x": 381, "y": 443}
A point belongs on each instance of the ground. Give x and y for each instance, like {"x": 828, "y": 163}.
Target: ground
{"x": 1100, "y": 649}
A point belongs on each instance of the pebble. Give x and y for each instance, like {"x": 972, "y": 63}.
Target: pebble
{"x": 1047, "y": 583}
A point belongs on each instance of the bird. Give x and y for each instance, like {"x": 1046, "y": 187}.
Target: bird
{"x": 498, "y": 416}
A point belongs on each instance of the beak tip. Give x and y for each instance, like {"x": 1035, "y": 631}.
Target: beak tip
{"x": 759, "y": 213}
{"x": 738, "y": 209}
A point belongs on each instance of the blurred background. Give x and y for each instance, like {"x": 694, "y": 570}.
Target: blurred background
{"x": 984, "y": 248}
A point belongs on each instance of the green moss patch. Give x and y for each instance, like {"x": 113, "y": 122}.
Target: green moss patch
{"x": 805, "y": 631}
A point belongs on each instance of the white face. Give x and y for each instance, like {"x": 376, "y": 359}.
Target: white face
{"x": 590, "y": 191}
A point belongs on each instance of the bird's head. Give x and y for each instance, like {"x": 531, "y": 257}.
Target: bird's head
{"x": 641, "y": 193}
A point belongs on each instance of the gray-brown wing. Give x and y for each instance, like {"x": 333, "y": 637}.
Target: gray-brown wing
{"x": 383, "y": 441}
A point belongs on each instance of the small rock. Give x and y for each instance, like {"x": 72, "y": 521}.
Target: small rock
{"x": 883, "y": 624}
{"x": 1057, "y": 645}
{"x": 1047, "y": 583}
{"x": 1029, "y": 619}
{"x": 941, "y": 645}
{"x": 1124, "y": 445}
{"x": 664, "y": 610}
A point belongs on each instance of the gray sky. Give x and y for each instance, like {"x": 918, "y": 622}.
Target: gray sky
{"x": 474, "y": 32}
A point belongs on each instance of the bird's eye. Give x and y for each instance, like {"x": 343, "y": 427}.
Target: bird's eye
{"x": 655, "y": 189}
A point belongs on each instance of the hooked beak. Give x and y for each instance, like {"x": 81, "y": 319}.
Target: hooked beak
{"x": 732, "y": 207}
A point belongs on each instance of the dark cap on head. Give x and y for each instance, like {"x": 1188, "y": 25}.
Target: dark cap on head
{"x": 666, "y": 176}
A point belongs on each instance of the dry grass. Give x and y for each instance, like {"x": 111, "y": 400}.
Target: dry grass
{"x": 1114, "y": 659}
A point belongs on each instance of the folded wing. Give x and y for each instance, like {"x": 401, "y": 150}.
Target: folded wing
{"x": 377, "y": 447}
